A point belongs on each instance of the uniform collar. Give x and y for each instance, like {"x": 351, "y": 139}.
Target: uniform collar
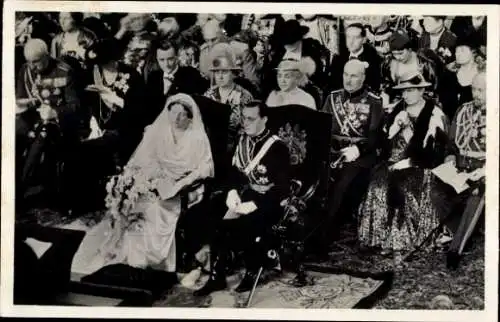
{"x": 261, "y": 136}
{"x": 355, "y": 93}
{"x": 50, "y": 66}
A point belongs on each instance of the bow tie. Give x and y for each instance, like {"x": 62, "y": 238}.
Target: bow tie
{"x": 169, "y": 77}
{"x": 353, "y": 57}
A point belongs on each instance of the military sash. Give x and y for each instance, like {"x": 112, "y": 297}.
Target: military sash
{"x": 341, "y": 115}
{"x": 243, "y": 154}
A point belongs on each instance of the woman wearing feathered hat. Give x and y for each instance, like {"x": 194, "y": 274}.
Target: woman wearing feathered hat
{"x": 291, "y": 44}
{"x": 224, "y": 71}
{"x": 400, "y": 209}
{"x": 291, "y": 74}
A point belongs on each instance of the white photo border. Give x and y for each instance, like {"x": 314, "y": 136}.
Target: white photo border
{"x": 8, "y": 130}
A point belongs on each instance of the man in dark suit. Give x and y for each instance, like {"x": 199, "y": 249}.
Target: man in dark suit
{"x": 172, "y": 78}
{"x": 359, "y": 49}
{"x": 438, "y": 38}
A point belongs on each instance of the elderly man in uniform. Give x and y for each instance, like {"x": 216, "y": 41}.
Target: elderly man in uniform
{"x": 468, "y": 132}
{"x": 357, "y": 133}
{"x": 49, "y": 85}
{"x": 256, "y": 187}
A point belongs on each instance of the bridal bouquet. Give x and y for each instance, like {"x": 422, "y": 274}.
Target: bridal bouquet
{"x": 124, "y": 191}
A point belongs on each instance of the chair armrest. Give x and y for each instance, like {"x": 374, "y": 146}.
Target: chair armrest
{"x": 184, "y": 192}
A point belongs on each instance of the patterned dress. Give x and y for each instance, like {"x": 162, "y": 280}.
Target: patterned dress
{"x": 401, "y": 207}
{"x": 237, "y": 98}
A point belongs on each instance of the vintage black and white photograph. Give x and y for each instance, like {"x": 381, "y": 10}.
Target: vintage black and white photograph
{"x": 237, "y": 160}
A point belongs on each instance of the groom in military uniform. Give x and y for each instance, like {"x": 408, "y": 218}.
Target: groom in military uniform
{"x": 256, "y": 187}
{"x": 356, "y": 135}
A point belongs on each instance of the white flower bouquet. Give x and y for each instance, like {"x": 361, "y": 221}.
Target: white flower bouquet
{"x": 125, "y": 191}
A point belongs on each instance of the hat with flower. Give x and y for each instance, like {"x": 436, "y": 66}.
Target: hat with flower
{"x": 222, "y": 57}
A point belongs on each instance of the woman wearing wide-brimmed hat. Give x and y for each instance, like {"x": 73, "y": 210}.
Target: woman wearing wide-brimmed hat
{"x": 291, "y": 74}
{"x": 468, "y": 62}
{"x": 401, "y": 208}
{"x": 224, "y": 69}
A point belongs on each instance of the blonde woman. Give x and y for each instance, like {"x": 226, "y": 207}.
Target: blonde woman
{"x": 291, "y": 75}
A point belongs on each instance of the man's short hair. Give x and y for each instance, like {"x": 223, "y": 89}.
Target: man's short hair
{"x": 358, "y": 25}
{"x": 186, "y": 44}
{"x": 263, "y": 108}
{"x": 36, "y": 45}
{"x": 167, "y": 44}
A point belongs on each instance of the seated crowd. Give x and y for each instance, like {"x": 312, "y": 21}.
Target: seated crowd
{"x": 127, "y": 93}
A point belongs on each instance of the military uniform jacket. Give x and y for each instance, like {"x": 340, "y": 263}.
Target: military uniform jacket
{"x": 54, "y": 87}
{"x": 468, "y": 132}
{"x": 268, "y": 183}
{"x": 357, "y": 119}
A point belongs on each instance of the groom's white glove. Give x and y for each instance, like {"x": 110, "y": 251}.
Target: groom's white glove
{"x": 351, "y": 153}
{"x": 245, "y": 208}
{"x": 232, "y": 200}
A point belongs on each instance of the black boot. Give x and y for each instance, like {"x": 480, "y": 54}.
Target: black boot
{"x": 452, "y": 260}
{"x": 216, "y": 281}
{"x": 247, "y": 282}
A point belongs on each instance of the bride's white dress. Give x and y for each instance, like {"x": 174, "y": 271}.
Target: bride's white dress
{"x": 153, "y": 245}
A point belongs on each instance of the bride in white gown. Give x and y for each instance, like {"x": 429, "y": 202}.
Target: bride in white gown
{"x": 143, "y": 202}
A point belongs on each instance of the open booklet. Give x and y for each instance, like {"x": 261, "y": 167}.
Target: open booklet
{"x": 449, "y": 174}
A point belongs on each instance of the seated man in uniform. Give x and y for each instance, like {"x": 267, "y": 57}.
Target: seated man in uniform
{"x": 46, "y": 92}
{"x": 49, "y": 84}
{"x": 468, "y": 132}
{"x": 356, "y": 136}
{"x": 258, "y": 183}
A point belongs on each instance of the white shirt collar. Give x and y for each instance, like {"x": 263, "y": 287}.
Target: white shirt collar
{"x": 357, "y": 54}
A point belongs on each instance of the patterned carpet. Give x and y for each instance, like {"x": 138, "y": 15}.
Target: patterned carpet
{"x": 413, "y": 287}
{"x": 327, "y": 292}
